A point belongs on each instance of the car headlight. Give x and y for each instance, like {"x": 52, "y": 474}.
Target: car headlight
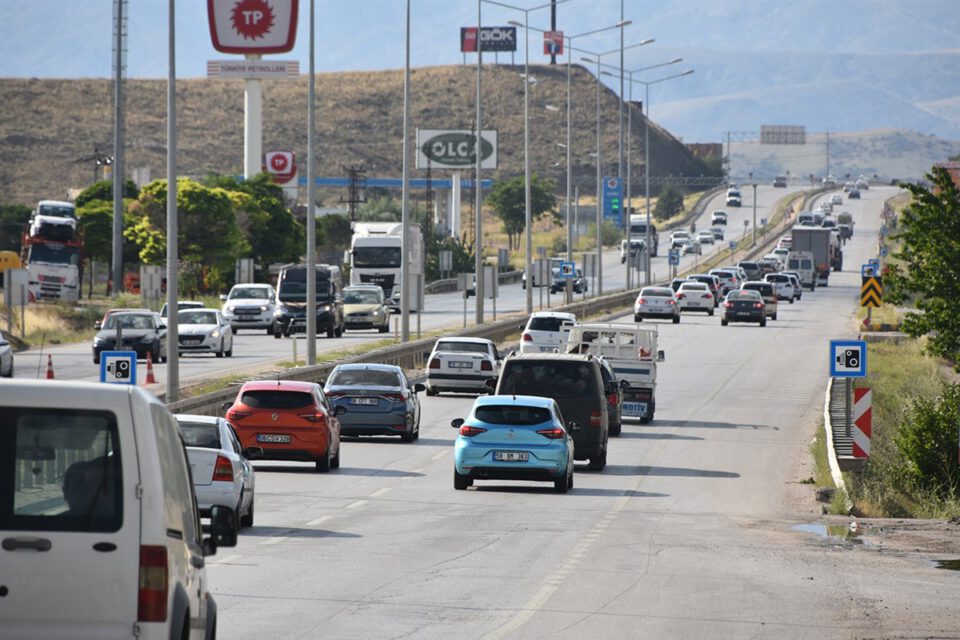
{"x": 98, "y": 340}
{"x": 376, "y": 312}
{"x": 215, "y": 333}
{"x": 264, "y": 308}
{"x": 325, "y": 308}
{"x": 228, "y": 308}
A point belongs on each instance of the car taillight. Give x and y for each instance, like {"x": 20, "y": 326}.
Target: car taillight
{"x": 396, "y": 397}
{"x": 709, "y": 297}
{"x": 152, "y": 593}
{"x": 681, "y": 296}
{"x": 486, "y": 366}
{"x": 312, "y": 417}
{"x": 758, "y": 305}
{"x": 434, "y": 363}
{"x": 673, "y": 302}
{"x": 223, "y": 470}
{"x": 333, "y": 395}
{"x": 527, "y": 337}
{"x": 728, "y": 304}
{"x": 235, "y": 414}
{"x": 596, "y": 419}
{"x": 468, "y": 431}
{"x": 553, "y": 434}
{"x": 612, "y": 398}
{"x": 641, "y": 301}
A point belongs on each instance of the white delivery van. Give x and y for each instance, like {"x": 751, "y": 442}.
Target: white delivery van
{"x": 99, "y": 531}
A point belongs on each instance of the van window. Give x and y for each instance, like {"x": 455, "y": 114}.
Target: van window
{"x": 61, "y": 470}
{"x": 556, "y": 379}
{"x": 180, "y": 512}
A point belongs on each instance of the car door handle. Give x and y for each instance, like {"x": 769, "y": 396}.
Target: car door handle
{"x": 38, "y": 544}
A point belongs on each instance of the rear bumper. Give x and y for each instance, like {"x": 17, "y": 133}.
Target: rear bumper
{"x": 452, "y": 382}
{"x": 217, "y": 493}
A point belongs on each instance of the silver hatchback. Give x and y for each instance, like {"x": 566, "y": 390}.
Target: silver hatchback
{"x": 656, "y": 302}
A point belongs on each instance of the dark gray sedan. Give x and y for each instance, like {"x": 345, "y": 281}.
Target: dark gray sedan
{"x": 743, "y": 305}
{"x": 140, "y": 331}
{"x": 379, "y": 400}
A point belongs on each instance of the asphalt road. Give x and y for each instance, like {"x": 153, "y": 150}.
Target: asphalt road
{"x": 255, "y": 351}
{"x": 690, "y": 531}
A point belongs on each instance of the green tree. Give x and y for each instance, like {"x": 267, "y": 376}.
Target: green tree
{"x": 103, "y": 190}
{"x": 381, "y": 208}
{"x": 13, "y": 220}
{"x": 926, "y": 269}
{"x": 508, "y": 201}
{"x": 669, "y": 203}
{"x": 927, "y": 438}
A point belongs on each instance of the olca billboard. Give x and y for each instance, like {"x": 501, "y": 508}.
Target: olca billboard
{"x": 454, "y": 148}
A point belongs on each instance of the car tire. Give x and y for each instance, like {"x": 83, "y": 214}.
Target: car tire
{"x": 710, "y": 312}
{"x": 562, "y": 484}
{"x": 676, "y": 320}
{"x": 773, "y": 317}
{"x": 229, "y": 352}
{"x": 598, "y": 462}
{"x": 791, "y": 300}
{"x": 406, "y": 437}
{"x": 615, "y": 430}
{"x": 246, "y": 520}
{"x": 723, "y": 322}
{"x": 637, "y": 318}
{"x": 335, "y": 460}
{"x": 461, "y": 482}
{"x": 96, "y": 358}
{"x": 323, "y": 464}
{"x": 763, "y": 322}
{"x": 220, "y": 351}
{"x": 384, "y": 328}
{"x": 432, "y": 392}
{"x": 271, "y": 333}
{"x": 331, "y": 331}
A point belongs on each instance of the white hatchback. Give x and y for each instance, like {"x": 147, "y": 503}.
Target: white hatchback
{"x": 544, "y": 331}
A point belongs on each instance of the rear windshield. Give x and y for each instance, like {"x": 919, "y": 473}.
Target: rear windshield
{"x": 512, "y": 415}
{"x": 274, "y": 399}
{"x": 364, "y": 378}
{"x": 200, "y": 434}
{"x": 743, "y": 295}
{"x": 657, "y": 293}
{"x": 60, "y": 470}
{"x": 546, "y": 324}
{"x": 549, "y": 378}
{"x": 469, "y": 347}
{"x": 777, "y": 278}
{"x": 762, "y": 287}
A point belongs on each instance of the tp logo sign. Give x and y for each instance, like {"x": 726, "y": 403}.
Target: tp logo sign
{"x": 281, "y": 165}
{"x": 252, "y": 26}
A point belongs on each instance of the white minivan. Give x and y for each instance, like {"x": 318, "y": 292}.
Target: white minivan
{"x": 100, "y": 532}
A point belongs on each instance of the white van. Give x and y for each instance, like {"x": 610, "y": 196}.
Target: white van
{"x": 100, "y": 532}
{"x": 802, "y": 262}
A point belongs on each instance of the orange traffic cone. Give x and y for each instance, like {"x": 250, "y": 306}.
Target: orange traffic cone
{"x": 49, "y": 367}
{"x": 150, "y": 378}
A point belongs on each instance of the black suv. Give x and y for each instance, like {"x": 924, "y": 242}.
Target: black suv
{"x": 575, "y": 381}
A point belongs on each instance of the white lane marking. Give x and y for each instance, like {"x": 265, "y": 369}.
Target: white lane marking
{"x": 358, "y": 503}
{"x": 318, "y": 521}
{"x": 379, "y": 492}
{"x": 275, "y": 540}
{"x": 440, "y": 454}
{"x": 227, "y": 559}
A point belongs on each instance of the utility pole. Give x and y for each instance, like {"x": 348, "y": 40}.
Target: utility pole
{"x": 358, "y": 181}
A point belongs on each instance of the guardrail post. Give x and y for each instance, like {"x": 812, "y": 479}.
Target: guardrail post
{"x": 294, "y": 341}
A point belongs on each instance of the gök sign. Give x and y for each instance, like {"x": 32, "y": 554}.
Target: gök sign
{"x": 252, "y": 26}
{"x": 454, "y": 148}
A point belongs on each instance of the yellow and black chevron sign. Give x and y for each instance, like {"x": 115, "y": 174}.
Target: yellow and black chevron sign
{"x": 871, "y": 292}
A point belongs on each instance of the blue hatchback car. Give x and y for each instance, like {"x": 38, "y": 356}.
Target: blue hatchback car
{"x": 379, "y": 399}
{"x": 513, "y": 438}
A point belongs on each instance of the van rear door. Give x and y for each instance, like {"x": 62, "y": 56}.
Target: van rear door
{"x": 69, "y": 518}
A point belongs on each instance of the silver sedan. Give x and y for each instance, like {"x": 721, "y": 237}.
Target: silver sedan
{"x": 6, "y": 359}
{"x": 204, "y": 331}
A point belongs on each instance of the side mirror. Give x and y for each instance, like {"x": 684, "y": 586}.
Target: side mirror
{"x": 456, "y": 423}
{"x": 417, "y": 388}
{"x": 223, "y": 297}
{"x": 491, "y": 385}
{"x": 624, "y": 384}
{"x": 97, "y": 325}
{"x": 226, "y": 406}
{"x": 660, "y": 355}
{"x": 253, "y": 453}
{"x": 339, "y": 410}
{"x": 573, "y": 425}
{"x": 223, "y": 533}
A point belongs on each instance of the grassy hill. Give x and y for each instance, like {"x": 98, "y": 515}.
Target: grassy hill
{"x": 51, "y": 125}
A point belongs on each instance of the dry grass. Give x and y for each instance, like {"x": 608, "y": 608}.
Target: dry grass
{"x": 54, "y": 124}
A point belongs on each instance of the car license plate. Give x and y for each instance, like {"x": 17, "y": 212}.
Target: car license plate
{"x": 635, "y": 409}
{"x": 743, "y": 313}
{"x": 458, "y": 364}
{"x": 547, "y": 349}
{"x": 273, "y": 437}
{"x": 510, "y": 456}
{"x": 366, "y": 401}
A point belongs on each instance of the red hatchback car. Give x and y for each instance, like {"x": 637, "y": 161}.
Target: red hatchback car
{"x": 289, "y": 420}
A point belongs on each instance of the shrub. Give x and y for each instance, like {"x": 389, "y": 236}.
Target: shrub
{"x": 927, "y": 438}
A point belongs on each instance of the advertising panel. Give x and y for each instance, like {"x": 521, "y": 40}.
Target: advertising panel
{"x": 252, "y": 26}
{"x": 491, "y": 39}
{"x": 454, "y": 148}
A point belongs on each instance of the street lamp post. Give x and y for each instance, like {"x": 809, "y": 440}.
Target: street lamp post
{"x": 629, "y": 198}
{"x": 646, "y": 145}
{"x": 754, "y": 214}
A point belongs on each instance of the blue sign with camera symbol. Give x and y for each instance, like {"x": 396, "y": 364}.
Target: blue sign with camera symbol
{"x": 848, "y": 358}
{"x": 118, "y": 367}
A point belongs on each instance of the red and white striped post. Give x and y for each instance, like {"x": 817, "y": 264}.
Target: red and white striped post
{"x": 862, "y": 420}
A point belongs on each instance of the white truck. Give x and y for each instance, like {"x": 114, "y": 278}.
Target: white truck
{"x": 638, "y": 237}
{"x": 54, "y": 220}
{"x": 376, "y": 255}
{"x": 633, "y": 354}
